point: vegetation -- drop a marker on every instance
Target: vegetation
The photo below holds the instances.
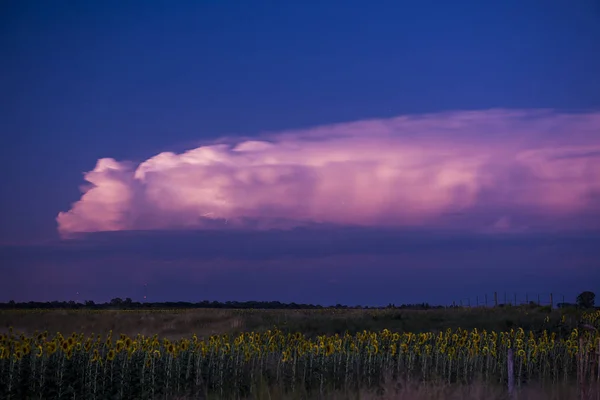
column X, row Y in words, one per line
column 586, row 299
column 124, row 367
column 178, row 323
column 128, row 304
column 392, row 352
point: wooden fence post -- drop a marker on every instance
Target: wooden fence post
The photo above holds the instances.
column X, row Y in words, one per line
column 511, row 372
column 581, row 370
column 598, row 366
column 495, row 299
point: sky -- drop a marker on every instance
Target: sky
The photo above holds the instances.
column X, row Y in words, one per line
column 341, row 152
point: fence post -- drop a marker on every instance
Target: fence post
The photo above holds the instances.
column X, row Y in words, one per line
column 551, row 301
column 598, row 366
column 496, row 299
column 511, row 372
column 581, row 370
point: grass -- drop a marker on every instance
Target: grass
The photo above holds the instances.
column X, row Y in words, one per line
column 432, row 391
column 435, row 391
column 176, row 324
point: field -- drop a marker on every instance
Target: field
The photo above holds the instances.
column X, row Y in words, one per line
column 329, row 353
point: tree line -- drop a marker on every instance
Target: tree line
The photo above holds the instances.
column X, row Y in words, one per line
column 129, row 304
column 584, row 300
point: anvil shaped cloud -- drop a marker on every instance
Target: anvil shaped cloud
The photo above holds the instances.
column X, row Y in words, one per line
column 495, row 170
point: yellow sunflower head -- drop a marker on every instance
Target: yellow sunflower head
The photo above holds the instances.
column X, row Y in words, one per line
column 170, row 348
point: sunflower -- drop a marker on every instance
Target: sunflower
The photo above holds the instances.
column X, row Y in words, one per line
column 51, row 348
column 111, row 355
column 329, row 349
column 184, row 345
column 171, row 348
column 96, row 357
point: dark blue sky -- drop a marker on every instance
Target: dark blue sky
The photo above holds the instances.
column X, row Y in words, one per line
column 80, row 81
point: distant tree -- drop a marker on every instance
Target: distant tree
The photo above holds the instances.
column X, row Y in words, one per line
column 586, row 299
column 117, row 301
column 89, row 303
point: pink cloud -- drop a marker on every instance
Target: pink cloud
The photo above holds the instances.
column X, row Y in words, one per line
column 503, row 169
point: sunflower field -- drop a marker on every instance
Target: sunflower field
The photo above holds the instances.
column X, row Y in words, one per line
column 121, row 367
